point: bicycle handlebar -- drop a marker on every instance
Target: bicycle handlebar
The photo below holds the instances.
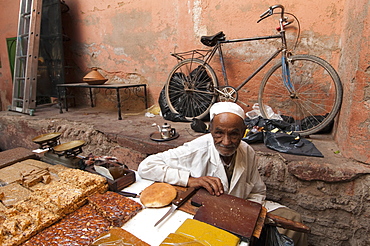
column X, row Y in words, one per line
column 270, row 12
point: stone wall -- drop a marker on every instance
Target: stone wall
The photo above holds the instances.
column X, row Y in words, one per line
column 20, row 130
column 334, row 201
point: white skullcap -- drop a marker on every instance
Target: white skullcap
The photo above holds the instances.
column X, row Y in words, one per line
column 226, row 107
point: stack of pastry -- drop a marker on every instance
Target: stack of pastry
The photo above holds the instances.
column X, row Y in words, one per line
column 116, row 208
column 48, row 193
column 77, row 228
column 87, row 223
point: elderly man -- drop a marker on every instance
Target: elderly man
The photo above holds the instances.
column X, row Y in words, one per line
column 219, row 162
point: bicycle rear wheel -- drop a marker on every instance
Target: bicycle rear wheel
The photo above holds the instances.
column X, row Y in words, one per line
column 315, row 99
column 190, row 89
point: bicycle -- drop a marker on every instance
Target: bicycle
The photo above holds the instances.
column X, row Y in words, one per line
column 304, row 90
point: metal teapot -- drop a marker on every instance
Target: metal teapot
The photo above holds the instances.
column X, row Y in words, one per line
column 166, row 131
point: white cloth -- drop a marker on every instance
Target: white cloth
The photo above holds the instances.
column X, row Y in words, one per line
column 226, row 107
column 271, row 206
column 200, row 158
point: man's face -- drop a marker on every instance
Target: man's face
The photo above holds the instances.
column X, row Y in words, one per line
column 227, row 130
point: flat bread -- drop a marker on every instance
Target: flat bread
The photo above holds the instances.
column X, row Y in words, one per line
column 158, row 195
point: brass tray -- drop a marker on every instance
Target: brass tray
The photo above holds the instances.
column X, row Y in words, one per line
column 69, row 145
column 46, row 137
column 156, row 136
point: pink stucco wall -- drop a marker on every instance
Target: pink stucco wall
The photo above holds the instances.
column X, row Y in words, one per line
column 138, row 36
column 8, row 29
column 131, row 41
column 353, row 134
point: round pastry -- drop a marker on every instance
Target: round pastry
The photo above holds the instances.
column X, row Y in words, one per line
column 158, row 195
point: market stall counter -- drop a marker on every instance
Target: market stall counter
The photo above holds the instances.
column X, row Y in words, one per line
column 46, row 204
column 143, row 224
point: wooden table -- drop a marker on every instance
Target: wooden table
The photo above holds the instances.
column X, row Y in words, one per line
column 117, row 87
column 142, row 224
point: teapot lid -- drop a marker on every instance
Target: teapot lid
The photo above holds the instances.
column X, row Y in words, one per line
column 166, row 125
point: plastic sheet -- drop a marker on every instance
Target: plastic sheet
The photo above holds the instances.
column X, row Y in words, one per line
column 253, row 137
column 174, row 239
column 273, row 133
column 290, row 144
column 306, row 123
column 117, row 237
column 166, row 112
column 271, row 237
column 256, row 112
column 199, row 126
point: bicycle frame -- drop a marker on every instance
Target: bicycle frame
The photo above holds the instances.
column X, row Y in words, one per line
column 302, row 88
column 218, row 48
column 283, row 49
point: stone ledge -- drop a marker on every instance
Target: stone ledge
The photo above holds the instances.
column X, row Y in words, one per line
column 9, row 157
column 341, row 172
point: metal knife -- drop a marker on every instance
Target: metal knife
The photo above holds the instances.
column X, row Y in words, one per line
column 178, row 202
column 128, row 194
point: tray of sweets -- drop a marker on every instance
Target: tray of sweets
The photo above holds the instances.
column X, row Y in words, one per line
column 123, row 176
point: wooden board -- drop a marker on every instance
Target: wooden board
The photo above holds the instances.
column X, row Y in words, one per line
column 233, row 214
column 9, row 157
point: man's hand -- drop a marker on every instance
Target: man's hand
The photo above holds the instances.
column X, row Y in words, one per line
column 212, row 184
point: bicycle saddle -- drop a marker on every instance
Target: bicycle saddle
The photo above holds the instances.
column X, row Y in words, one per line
column 212, row 40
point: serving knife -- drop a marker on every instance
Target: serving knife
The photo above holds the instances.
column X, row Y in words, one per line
column 128, row 194
column 183, row 197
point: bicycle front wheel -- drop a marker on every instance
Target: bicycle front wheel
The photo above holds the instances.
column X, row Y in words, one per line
column 190, row 89
column 310, row 101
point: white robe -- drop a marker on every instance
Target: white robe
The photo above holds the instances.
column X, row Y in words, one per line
column 200, row 158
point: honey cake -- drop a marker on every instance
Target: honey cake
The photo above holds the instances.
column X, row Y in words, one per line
column 9, row 175
column 81, row 179
column 177, row 239
column 36, row 163
column 115, row 207
column 78, row 228
column 19, row 225
column 24, row 173
column 117, row 234
column 207, row 234
column 43, row 165
column 57, row 168
column 2, row 207
column 37, row 186
column 48, row 203
column 89, row 182
column 62, row 195
column 14, row 193
column 35, row 177
column 40, row 214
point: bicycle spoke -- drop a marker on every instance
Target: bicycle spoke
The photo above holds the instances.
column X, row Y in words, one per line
column 190, row 89
column 315, row 99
